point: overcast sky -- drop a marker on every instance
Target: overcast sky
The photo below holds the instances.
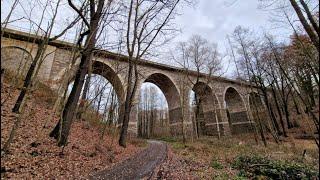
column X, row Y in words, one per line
column 215, row 19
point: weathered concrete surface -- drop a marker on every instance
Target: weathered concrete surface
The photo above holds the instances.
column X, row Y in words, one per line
column 218, row 95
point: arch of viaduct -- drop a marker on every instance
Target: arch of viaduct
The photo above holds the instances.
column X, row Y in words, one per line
column 225, row 106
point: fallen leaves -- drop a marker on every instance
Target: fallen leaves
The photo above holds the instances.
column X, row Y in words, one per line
column 34, row 155
column 177, row 167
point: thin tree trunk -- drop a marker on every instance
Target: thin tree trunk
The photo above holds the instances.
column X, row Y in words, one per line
column 127, row 108
column 314, row 38
column 28, row 79
column 287, row 115
column 84, row 95
column 279, row 111
column 71, row 104
column 271, row 113
column 39, row 56
column 310, row 17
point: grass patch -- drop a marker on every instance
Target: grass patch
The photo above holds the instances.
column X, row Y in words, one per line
column 223, row 176
column 216, row 164
column 178, row 146
column 216, row 152
column 262, row 167
column 138, row 142
column 168, row 139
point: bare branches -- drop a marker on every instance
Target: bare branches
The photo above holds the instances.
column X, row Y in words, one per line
column 145, row 21
column 66, row 29
column 79, row 11
column 314, row 38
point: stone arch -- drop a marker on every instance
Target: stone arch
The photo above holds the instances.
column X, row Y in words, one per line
column 207, row 122
column 172, row 95
column 16, row 59
column 236, row 112
column 111, row 75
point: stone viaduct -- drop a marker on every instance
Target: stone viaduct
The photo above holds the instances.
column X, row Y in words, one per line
column 225, row 103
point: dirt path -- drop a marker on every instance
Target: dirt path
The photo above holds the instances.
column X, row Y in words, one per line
column 139, row 166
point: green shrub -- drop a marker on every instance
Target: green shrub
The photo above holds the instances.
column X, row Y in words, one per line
column 256, row 166
column 178, row 146
column 239, row 177
column 216, row 164
column 223, row 176
column 169, row 139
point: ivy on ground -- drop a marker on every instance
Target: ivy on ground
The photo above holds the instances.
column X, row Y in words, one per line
column 256, row 167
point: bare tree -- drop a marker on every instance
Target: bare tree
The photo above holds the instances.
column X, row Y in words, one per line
column 39, row 58
column 146, row 21
column 199, row 55
column 34, row 69
column 7, row 19
column 308, row 28
column 96, row 11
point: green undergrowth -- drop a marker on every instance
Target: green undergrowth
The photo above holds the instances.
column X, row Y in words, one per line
column 222, row 154
column 258, row 167
column 216, row 164
column 169, row 139
column 226, row 176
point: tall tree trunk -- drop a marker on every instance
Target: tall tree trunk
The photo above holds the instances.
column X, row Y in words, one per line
column 84, row 95
column 279, row 111
column 35, row 65
column 70, row 107
column 28, row 80
column 270, row 111
column 260, row 123
column 310, row 17
column 99, row 102
column 287, row 114
column 296, row 105
column 314, row 38
column 127, row 107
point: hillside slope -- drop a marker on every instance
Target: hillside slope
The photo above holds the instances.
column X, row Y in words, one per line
column 34, row 155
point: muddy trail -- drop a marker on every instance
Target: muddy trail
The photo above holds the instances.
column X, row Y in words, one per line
column 140, row 166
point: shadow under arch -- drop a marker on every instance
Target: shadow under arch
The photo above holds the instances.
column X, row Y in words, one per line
column 207, row 114
column 236, row 112
column 111, row 75
column 172, row 96
column 16, row 59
